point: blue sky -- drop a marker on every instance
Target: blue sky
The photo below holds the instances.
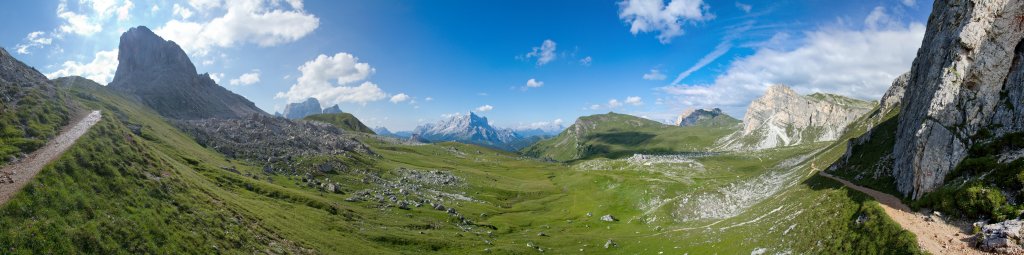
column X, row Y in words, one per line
column 403, row 63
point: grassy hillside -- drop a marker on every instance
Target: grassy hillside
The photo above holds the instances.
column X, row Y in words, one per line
column 616, row 135
column 30, row 116
column 344, row 121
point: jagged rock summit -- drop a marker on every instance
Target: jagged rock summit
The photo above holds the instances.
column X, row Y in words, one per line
column 705, row 117
column 470, row 128
column 16, row 72
column 159, row 74
column 306, row 108
column 781, row 117
column 968, row 76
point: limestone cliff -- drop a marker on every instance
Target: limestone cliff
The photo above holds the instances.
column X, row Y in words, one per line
column 967, row 77
column 781, row 117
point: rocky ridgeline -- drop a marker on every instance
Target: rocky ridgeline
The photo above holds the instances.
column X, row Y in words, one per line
column 781, row 117
column 260, row 137
column 309, row 107
column 968, row 77
column 472, row 129
column 694, row 117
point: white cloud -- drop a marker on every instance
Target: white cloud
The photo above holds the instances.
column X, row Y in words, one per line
column 745, row 7
column 100, row 70
column 217, row 77
column 124, row 12
column 205, row 5
column 614, row 103
column 595, row 106
column 328, row 79
column 297, row 4
column 879, row 19
column 247, row 78
column 183, row 12
column 76, row 23
column 428, row 99
column 909, row 2
column 155, row 9
column 634, row 100
column 553, row 125
column 533, row 83
column 654, row 75
column 856, row 63
column 719, row 50
column 654, row 15
column 400, row 97
column 36, row 39
column 245, row 21
column 545, row 53
column 586, row 61
column 484, row 108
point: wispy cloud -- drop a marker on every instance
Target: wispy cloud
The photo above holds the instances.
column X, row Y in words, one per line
column 724, row 46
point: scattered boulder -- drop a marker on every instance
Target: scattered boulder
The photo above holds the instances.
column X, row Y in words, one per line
column 610, row 244
column 608, row 218
column 1002, row 237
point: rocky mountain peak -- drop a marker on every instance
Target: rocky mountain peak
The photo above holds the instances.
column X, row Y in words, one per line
column 781, row 117
column 693, row 117
column 159, row 74
column 141, row 50
column 469, row 128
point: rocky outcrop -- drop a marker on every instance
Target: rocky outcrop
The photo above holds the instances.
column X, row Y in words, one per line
column 869, row 155
column 159, row 74
column 781, row 117
column 472, row 129
column 704, row 117
column 967, row 77
column 259, row 137
column 302, row 109
column 332, row 109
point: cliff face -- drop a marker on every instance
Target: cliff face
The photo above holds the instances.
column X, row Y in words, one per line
column 159, row 74
column 967, row 77
column 703, row 117
column 781, row 117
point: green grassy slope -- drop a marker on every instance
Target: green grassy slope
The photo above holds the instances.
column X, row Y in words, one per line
column 617, row 135
column 30, row 116
column 135, row 184
column 344, row 121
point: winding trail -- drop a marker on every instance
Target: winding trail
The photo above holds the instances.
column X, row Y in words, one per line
column 14, row 176
column 935, row 235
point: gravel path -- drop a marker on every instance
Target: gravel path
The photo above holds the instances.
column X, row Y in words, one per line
column 934, row 234
column 14, row 176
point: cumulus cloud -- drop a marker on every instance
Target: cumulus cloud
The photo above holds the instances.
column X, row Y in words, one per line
column 614, row 103
column 183, row 12
column 655, row 16
column 205, row 5
column 908, row 2
column 400, row 97
column 554, row 125
column 330, row 79
column 100, row 69
column 484, row 108
column 217, row 77
column 533, row 83
column 244, row 21
column 36, row 39
column 634, row 100
column 654, row 75
column 545, row 53
column 246, row 78
column 857, row 63
column 76, row 23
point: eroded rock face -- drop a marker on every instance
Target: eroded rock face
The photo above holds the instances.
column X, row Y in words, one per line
column 966, row 77
column 469, row 128
column 302, row 109
column 159, row 74
column 781, row 117
column 695, row 117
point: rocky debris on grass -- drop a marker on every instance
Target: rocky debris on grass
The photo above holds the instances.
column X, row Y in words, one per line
column 610, row 244
column 415, row 188
column 258, row 137
column 1003, row 237
column 608, row 218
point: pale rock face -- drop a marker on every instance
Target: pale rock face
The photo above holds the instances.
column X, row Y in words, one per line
column 966, row 77
column 302, row 109
column 692, row 117
column 781, row 117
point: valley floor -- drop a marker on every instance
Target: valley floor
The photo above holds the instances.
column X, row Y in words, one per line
column 934, row 234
